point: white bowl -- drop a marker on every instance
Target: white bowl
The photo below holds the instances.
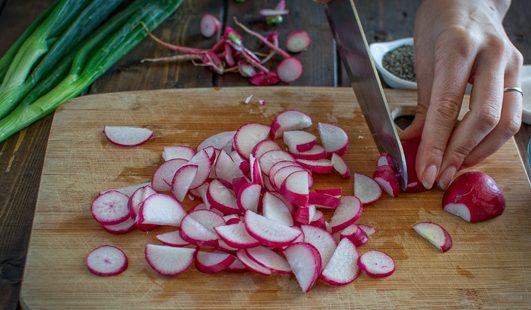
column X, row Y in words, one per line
column 378, row 50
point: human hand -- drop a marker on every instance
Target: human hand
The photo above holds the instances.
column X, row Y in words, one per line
column 458, row 42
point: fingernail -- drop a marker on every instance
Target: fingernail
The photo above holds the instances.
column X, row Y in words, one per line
column 429, row 177
column 446, row 177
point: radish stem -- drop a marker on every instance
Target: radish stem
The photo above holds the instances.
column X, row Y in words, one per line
column 177, row 48
column 261, row 38
column 173, row 58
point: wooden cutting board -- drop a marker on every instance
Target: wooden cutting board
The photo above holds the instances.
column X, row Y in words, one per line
column 488, row 266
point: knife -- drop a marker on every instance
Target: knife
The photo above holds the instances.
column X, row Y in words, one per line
column 354, row 52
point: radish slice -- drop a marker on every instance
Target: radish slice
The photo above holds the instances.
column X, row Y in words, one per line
column 251, row 264
column 172, row 238
column 238, row 160
column 212, row 154
column 237, row 266
column 239, row 183
column 264, row 146
column 236, row 236
column 268, row 259
column 204, row 163
column 223, row 246
column 354, row 234
column 135, row 203
column 340, row 166
column 256, row 171
column 120, row 228
column 281, row 164
column 110, row 208
column 435, row 234
column 201, row 193
column 248, row 136
column 299, row 141
column 323, row 166
column 386, row 177
column 368, row 229
column 316, row 153
column 163, row 176
column 271, row 12
column 295, row 188
column 269, row 232
column 275, row 209
column 318, row 220
column 106, row 260
column 286, row 202
column 289, row 120
column 127, row 136
column 305, row 262
column 289, row 70
column 348, row 211
column 334, row 138
column 226, row 169
column 322, row 240
column 324, row 200
column 209, row 25
column 213, row 262
column 128, row 190
column 198, row 227
column 179, row 151
column 342, row 268
column 264, row 79
column 221, row 141
column 335, row 191
column 160, row 209
column 167, row 260
column 278, row 178
column 366, row 189
column 385, row 160
column 222, row 198
column 231, row 219
column 376, row 264
column 249, row 197
column 298, row 41
column 304, row 214
column 268, row 159
column 182, row 180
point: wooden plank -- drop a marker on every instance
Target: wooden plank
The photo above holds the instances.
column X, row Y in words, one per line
column 487, row 267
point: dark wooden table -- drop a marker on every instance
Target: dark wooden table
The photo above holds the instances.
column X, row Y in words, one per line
column 21, row 157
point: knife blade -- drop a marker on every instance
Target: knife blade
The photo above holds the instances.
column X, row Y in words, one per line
column 354, row 53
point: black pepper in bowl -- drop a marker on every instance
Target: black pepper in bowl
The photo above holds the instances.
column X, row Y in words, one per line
column 401, row 62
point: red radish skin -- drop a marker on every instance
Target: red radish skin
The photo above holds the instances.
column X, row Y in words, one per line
column 198, row 227
column 248, row 136
column 299, row 141
column 349, row 211
column 286, row 202
column 110, row 208
column 318, row 220
column 184, row 176
column 136, row 200
column 435, row 234
column 377, row 264
column 213, row 262
column 322, row 166
column 209, row 25
column 334, row 138
column 281, row 164
column 127, row 136
column 249, row 197
column 268, row 159
column 264, row 79
column 269, row 259
column 354, row 234
column 304, row 215
column 368, row 229
column 269, row 232
column 276, row 209
column 221, row 141
column 128, row 190
column 179, row 151
column 289, row 120
column 256, row 171
column 251, row 264
column 163, row 176
column 172, row 238
column 366, row 189
column 305, row 262
column 231, row 219
column 222, row 198
column 106, row 260
column 167, row 260
column 280, row 176
column 322, row 240
column 289, row 70
column 335, row 191
column 212, row 153
column 316, row 153
column 236, row 236
column 161, row 209
column 340, row 166
column 264, row 146
column 120, row 228
column 223, row 246
column 237, row 266
column 410, row 148
column 298, row 41
column 324, row 200
column 475, row 197
column 342, row 268
column 238, row 183
column 386, row 177
column 296, row 188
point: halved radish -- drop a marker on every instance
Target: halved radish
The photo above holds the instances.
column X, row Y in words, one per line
column 323, row 200
column 354, row 234
column 385, row 160
column 110, row 208
column 223, row 246
column 182, row 180
column 298, row 41
column 248, row 136
column 304, row 214
column 322, row 240
column 128, row 190
column 231, row 219
column 299, row 141
column 281, row 164
column 317, row 152
column 386, row 177
column 323, row 166
column 256, row 171
column 222, row 198
column 366, row 189
column 318, row 220
column 288, row 204
column 334, row 191
column 269, row 259
column 340, row 166
column 120, row 228
column 204, row 163
column 239, row 183
column 334, row 138
column 179, row 151
column 212, row 262
column 268, row 186
column 368, row 229
column 172, row 238
column 209, row 25
column 221, row 141
column 342, row 268
column 305, row 262
column 251, row 264
column 236, row 236
column 136, row 200
column 275, row 209
column 435, row 234
column 269, row 232
column 226, row 169
column 377, row 264
column 168, row 260
column 264, row 146
column 249, row 197
column 127, row 136
column 198, row 227
column 201, row 193
column 289, row 70
column 163, row 176
column 289, row 120
column 106, row 260
column 268, row 159
column 348, row 211
column 212, row 154
column 238, row 160
column 296, row 188
column 280, row 176
column 160, row 209
column 237, row 266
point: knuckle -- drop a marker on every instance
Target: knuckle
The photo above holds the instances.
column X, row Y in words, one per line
column 461, row 151
column 459, row 39
column 497, row 47
column 512, row 126
column 517, row 59
column 488, row 118
column 448, row 106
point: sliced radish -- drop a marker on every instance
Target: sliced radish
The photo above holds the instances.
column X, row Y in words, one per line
column 222, row 198
column 248, row 136
column 275, row 209
column 281, row 164
column 286, row 202
column 212, row 154
column 223, row 246
column 335, row 191
column 342, row 268
column 106, row 260
column 251, row 264
column 120, row 228
column 348, row 211
column 256, row 171
column 334, row 138
column 268, row 159
column 305, row 262
column 299, row 141
column 226, row 169
column 160, row 209
column 386, row 177
column 269, row 232
column 318, row 220
column 298, row 41
column 237, row 266
column 368, row 229
column 236, row 236
column 238, row 160
column 322, row 240
column 316, row 153
column 213, row 262
column 289, row 70
column 366, row 189
column 182, row 180
column 272, row 12
column 354, row 234
column 249, row 197
column 172, row 238
column 323, row 166
column 127, row 136
column 136, row 200
column 179, row 151
column 385, row 160
column 340, row 166
column 168, row 260
column 198, row 227
column 268, row 259
column 221, row 141
column 209, row 25
column 264, row 79
column 295, row 188
column 377, row 264
column 201, row 193
column 264, row 146
column 239, row 183
column 280, row 176
column 231, row 219
column 204, row 163
column 435, row 234
column 324, row 200
column 304, row 215
column 289, row 120
column 410, row 148
column 163, row 176
column 110, row 208
column 268, row 186
column 128, row 190
column 281, row 5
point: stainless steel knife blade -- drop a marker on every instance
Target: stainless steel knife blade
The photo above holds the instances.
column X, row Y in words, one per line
column 354, row 52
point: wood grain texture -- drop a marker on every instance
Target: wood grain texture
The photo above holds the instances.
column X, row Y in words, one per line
column 488, row 267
